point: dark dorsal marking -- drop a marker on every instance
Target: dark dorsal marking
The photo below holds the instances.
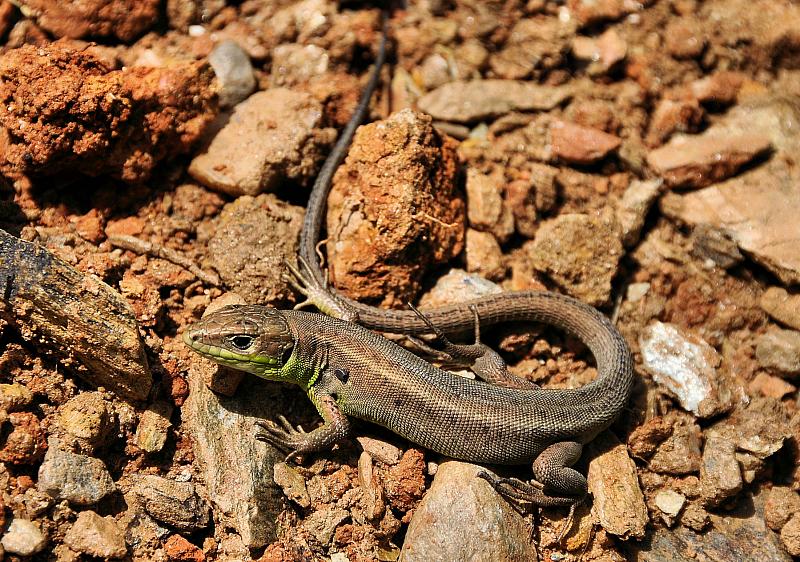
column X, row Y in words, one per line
column 342, row 374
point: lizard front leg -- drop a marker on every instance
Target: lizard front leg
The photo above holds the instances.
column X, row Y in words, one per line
column 296, row 442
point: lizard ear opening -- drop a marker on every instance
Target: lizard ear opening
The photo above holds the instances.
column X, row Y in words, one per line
column 287, row 354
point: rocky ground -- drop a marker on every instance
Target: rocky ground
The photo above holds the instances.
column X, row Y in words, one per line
column 640, row 156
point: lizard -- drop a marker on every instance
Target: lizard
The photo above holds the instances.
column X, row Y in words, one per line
column 347, row 370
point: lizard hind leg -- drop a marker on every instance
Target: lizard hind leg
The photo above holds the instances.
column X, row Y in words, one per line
column 485, row 362
column 556, row 483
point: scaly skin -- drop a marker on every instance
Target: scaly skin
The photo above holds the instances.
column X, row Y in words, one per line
column 350, row 371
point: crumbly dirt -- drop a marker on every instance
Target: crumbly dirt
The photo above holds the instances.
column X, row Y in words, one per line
column 103, row 108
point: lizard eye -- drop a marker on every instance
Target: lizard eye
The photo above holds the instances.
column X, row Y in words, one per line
column 241, row 342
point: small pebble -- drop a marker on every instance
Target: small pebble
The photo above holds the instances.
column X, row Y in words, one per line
column 96, row 536
column 234, row 72
column 23, row 538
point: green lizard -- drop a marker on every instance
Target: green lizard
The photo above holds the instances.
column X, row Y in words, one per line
column 349, row 371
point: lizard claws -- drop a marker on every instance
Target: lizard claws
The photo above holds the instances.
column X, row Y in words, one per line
column 281, row 435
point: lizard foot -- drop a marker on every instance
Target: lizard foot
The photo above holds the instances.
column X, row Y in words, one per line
column 515, row 490
column 283, row 436
column 316, row 293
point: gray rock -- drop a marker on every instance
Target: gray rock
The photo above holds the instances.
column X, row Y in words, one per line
column 716, row 246
column 462, row 518
column 293, row 63
column 618, row 499
column 272, row 136
column 457, row 286
column 253, row 237
column 234, row 72
column 685, row 365
column 292, row 483
column 740, row 535
column 720, row 475
column 23, row 537
column 323, row 522
column 96, row 536
column 236, row 468
column 634, row 206
column 580, row 254
column 79, row 479
column 779, row 351
column 474, row 100
column 176, row 504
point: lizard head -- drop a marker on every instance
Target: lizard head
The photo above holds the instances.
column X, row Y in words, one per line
column 250, row 338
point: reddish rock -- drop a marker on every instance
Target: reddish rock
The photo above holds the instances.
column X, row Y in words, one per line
column 128, row 226
column 680, row 452
column 645, row 439
column 96, row 536
column 790, row 535
column 179, row 549
column 90, row 227
column 771, row 386
column 7, row 13
column 782, row 502
column 26, row 442
column 697, row 161
column 684, row 38
column 618, row 501
column 719, row 88
column 385, row 234
column 757, row 209
column 601, row 54
column 521, row 199
column 674, row 116
column 121, row 19
column 64, row 109
column 581, row 145
column 404, row 482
